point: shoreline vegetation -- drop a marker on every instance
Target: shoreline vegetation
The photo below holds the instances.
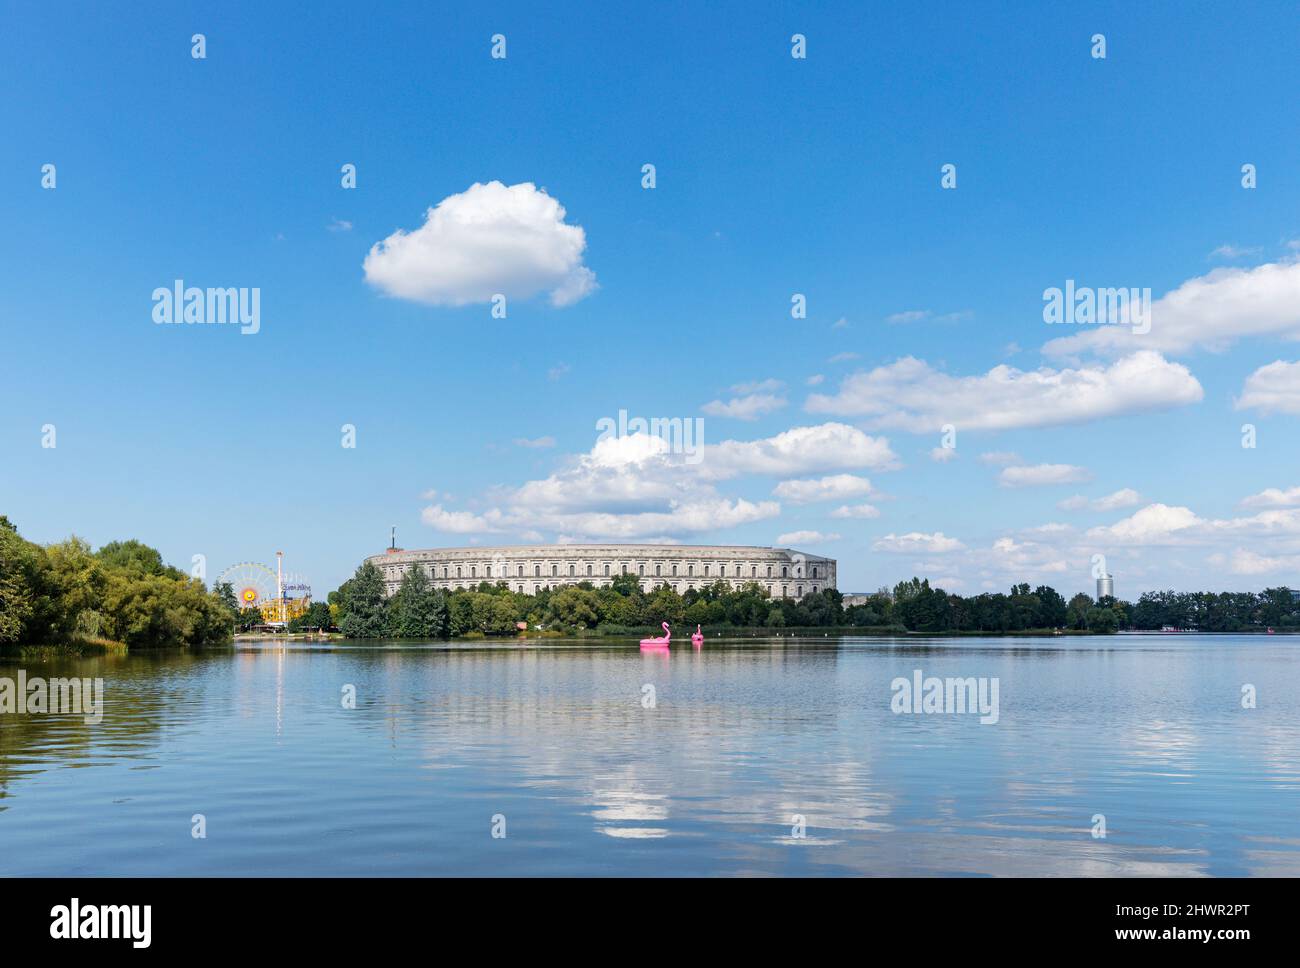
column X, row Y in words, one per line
column 122, row 597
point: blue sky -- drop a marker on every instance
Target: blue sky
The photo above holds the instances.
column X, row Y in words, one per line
column 774, row 176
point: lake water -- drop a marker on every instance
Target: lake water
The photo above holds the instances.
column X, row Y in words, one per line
column 554, row 743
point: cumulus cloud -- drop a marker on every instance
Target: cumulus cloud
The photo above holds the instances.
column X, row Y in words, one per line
column 941, row 455
column 486, row 240
column 800, row 450
column 1037, row 475
column 749, row 407
column 911, row 395
column 1160, row 524
column 1000, row 457
column 1154, row 524
column 1123, row 498
column 805, row 537
column 536, row 442
column 636, row 487
column 917, row 542
column 1273, row 497
column 1208, row 312
column 1274, row 388
column 836, row 487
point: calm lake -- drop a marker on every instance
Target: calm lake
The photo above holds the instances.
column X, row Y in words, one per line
column 553, row 745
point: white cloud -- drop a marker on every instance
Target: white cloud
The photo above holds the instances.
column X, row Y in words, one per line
column 836, row 487
column 559, row 371
column 636, row 487
column 909, row 394
column 1037, row 475
column 1123, row 498
column 917, row 542
column 805, row 537
column 842, row 357
column 942, row 455
column 339, row 225
column 488, row 239
column 800, row 450
column 815, row 380
column 536, row 442
column 1208, row 312
column 1274, row 388
column 856, row 511
column 1000, row 457
column 749, row 407
column 1154, row 524
column 1273, row 497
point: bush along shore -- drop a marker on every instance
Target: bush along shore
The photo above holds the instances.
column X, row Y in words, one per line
column 66, row 596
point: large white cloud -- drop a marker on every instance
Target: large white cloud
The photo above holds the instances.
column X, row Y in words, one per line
column 911, row 395
column 486, row 240
column 1161, row 524
column 638, row 486
column 1274, row 388
column 800, row 450
column 1208, row 312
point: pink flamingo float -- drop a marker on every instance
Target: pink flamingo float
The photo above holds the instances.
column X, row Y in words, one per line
column 697, row 639
column 658, row 643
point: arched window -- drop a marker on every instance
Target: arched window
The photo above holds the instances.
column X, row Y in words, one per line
column 753, row 571
column 674, row 573
column 571, row 571
column 769, row 571
column 798, row 591
column 473, row 571
column 537, row 573
column 690, row 570
column 658, row 570
column 589, row 569
column 814, row 571
column 458, row 571
column 521, row 588
column 607, row 571
column 785, row 572
column 555, row 571
column 444, row 571
column 640, row 570
column 785, row 591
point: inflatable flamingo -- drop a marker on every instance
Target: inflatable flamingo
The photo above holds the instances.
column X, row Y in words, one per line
column 658, row 642
column 697, row 639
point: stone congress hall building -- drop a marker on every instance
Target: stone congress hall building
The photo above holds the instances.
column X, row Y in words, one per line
column 529, row 568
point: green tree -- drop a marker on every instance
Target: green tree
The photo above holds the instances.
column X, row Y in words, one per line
column 366, row 616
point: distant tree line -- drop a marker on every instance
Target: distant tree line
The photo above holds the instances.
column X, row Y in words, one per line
column 418, row 610
column 65, row 592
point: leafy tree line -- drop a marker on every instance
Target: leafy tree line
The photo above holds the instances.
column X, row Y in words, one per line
column 123, row 592
column 418, row 610
column 919, row 608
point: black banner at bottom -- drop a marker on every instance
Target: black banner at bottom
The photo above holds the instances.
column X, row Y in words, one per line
column 230, row 916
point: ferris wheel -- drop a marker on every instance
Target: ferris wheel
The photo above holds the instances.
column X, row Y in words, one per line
column 254, row 583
